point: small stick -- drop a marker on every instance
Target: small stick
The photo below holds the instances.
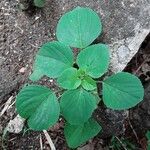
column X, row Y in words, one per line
column 34, row 46
column 51, row 144
column 137, row 70
column 12, row 139
column 133, row 130
column 6, row 105
column 11, row 105
column 41, row 145
column 121, row 143
column 22, row 31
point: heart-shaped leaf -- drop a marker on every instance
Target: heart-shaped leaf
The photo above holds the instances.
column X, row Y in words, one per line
column 79, row 27
column 77, row 106
column 79, row 134
column 51, row 60
column 69, row 79
column 122, row 91
column 39, row 106
column 94, row 60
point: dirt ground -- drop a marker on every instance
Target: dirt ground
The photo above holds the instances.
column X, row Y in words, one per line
column 21, row 34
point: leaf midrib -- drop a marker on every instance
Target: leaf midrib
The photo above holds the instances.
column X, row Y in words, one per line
column 61, row 62
column 40, row 102
column 55, row 58
column 121, row 90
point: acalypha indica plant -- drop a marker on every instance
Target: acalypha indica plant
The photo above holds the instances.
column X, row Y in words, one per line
column 41, row 107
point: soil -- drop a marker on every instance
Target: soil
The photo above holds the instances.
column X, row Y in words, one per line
column 22, row 32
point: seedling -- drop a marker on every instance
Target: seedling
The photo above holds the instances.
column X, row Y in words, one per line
column 28, row 4
column 39, row 3
column 122, row 143
column 148, row 140
column 40, row 106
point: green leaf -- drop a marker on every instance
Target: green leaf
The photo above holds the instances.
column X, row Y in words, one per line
column 69, row 79
column 122, row 91
column 88, row 83
column 39, row 106
column 77, row 106
column 94, row 60
column 79, row 134
column 39, row 3
column 51, row 60
column 148, row 135
column 148, row 140
column 79, row 27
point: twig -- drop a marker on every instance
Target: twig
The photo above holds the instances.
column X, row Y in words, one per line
column 37, row 18
column 133, row 130
column 41, row 145
column 34, row 46
column 137, row 70
column 11, row 105
column 22, row 31
column 6, row 105
column 12, row 139
column 51, row 144
column 121, row 143
column 56, row 140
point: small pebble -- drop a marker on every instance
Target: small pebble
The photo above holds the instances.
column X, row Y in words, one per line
column 51, row 80
column 22, row 70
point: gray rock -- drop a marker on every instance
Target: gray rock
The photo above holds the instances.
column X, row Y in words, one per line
column 126, row 24
column 15, row 125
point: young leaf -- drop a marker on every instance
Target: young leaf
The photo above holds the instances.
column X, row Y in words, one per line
column 79, row 27
column 77, row 106
column 39, row 3
column 51, row 60
column 39, row 105
column 148, row 135
column 79, row 134
column 69, row 79
column 148, row 140
column 94, row 60
column 88, row 83
column 122, row 91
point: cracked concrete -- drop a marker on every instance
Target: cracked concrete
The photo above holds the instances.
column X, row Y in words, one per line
column 126, row 25
column 123, row 50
